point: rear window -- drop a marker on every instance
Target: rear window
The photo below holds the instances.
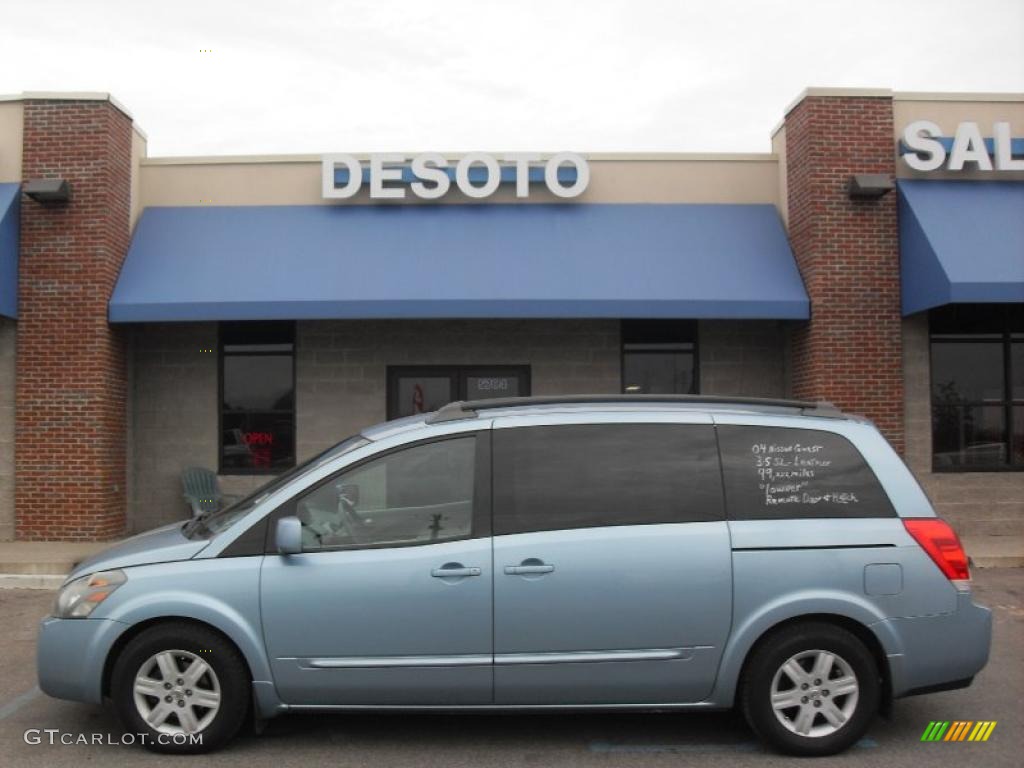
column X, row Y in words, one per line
column 773, row 473
column 588, row 475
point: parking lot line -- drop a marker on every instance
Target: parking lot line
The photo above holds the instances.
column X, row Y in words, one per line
column 18, row 702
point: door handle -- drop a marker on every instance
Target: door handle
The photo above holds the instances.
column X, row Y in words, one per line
column 453, row 571
column 529, row 566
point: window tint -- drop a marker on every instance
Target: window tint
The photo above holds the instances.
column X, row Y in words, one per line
column 775, row 472
column 587, row 475
column 418, row 495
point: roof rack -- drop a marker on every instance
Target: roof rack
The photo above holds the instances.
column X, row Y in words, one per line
column 469, row 409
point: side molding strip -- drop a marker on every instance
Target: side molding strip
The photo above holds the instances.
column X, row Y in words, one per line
column 648, row 654
column 467, row 660
column 351, row 662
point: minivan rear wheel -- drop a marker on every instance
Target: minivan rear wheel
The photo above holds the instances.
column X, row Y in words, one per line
column 810, row 689
column 182, row 686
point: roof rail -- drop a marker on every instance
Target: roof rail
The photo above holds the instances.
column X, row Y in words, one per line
column 469, row 409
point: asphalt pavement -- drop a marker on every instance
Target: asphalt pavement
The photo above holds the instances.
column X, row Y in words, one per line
column 523, row 741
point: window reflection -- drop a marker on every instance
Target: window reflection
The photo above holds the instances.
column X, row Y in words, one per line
column 977, row 386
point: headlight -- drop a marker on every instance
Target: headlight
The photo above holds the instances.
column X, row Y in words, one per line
column 78, row 599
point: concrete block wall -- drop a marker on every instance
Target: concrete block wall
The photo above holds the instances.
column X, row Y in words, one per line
column 341, row 373
column 340, row 387
column 341, row 364
column 7, row 384
column 975, row 503
column 743, row 357
column 173, row 416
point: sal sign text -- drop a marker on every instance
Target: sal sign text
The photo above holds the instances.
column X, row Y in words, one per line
column 430, row 175
column 926, row 151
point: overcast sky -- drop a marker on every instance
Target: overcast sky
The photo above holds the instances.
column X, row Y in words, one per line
column 258, row 77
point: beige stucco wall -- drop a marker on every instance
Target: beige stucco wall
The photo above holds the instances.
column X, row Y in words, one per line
column 975, row 503
column 138, row 154
column 11, row 127
column 779, row 150
column 622, row 179
column 947, row 111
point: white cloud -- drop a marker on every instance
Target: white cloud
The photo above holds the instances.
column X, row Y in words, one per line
column 626, row 75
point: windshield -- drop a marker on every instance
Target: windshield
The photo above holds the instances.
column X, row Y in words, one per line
column 211, row 523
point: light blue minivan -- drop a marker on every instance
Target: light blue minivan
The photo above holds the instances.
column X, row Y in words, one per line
column 606, row 552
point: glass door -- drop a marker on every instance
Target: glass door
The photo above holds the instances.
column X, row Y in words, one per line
column 419, row 388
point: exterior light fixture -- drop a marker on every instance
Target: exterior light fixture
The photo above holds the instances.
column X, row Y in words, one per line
column 48, row 190
column 869, row 186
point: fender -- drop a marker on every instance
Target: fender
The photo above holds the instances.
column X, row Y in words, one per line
column 793, row 605
column 220, row 592
column 172, row 604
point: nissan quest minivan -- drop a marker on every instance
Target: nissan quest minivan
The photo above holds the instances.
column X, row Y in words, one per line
column 573, row 553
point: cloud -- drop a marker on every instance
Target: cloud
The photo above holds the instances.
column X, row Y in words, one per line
column 602, row 75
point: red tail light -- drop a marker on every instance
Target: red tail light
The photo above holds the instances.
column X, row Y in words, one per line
column 940, row 541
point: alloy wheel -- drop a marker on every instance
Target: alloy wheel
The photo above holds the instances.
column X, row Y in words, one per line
column 814, row 693
column 177, row 692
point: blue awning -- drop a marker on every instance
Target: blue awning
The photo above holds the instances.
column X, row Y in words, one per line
column 9, row 197
column 428, row 261
column 961, row 242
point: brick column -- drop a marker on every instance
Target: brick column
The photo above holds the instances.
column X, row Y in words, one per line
column 848, row 253
column 70, row 398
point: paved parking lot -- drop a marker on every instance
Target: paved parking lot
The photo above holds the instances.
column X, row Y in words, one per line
column 539, row 740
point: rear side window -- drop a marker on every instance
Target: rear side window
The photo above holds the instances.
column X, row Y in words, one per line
column 589, row 475
column 774, row 472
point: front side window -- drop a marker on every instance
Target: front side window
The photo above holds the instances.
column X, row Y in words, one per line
column 418, row 495
column 977, row 387
column 257, row 405
column 774, row 473
column 589, row 475
column 659, row 357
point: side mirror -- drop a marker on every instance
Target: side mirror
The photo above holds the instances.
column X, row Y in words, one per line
column 288, row 536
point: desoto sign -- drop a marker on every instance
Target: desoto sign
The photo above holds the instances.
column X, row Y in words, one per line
column 927, row 149
column 430, row 175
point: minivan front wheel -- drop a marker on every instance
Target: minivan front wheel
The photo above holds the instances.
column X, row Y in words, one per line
column 811, row 689
column 182, row 687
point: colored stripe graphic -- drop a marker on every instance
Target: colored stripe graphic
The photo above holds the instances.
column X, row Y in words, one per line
column 982, row 730
column 958, row 730
column 935, row 730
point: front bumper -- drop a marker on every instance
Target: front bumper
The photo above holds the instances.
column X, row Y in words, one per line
column 941, row 651
column 70, row 655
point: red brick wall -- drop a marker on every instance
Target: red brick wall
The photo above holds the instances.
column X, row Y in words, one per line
column 848, row 253
column 70, row 399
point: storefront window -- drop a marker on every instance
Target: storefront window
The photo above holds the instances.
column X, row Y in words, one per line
column 977, row 365
column 257, row 405
column 419, row 389
column 659, row 357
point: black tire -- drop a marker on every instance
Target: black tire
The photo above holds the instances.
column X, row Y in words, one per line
column 231, row 675
column 768, row 658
